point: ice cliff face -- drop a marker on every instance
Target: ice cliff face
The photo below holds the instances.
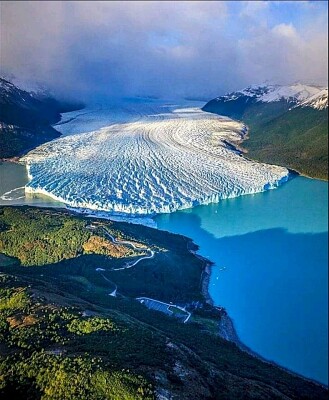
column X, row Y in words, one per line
column 143, row 158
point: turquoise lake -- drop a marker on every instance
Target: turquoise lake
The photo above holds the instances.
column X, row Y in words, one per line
column 271, row 269
column 271, row 255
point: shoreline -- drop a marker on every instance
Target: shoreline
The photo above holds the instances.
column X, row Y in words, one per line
column 226, row 329
column 206, row 272
column 238, row 147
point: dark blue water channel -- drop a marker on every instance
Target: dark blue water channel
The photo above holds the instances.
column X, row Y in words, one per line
column 271, row 271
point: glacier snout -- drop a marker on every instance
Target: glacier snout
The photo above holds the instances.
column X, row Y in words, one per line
column 153, row 159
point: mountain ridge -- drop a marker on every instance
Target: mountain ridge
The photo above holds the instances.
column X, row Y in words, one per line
column 26, row 118
column 287, row 125
column 297, row 93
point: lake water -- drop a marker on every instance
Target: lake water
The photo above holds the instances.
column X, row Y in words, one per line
column 13, row 177
column 271, row 256
column 271, row 273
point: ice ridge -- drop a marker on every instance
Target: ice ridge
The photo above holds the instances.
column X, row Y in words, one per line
column 146, row 158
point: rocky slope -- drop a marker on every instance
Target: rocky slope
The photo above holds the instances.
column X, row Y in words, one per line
column 26, row 118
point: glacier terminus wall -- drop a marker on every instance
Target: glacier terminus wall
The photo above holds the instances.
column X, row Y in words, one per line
column 146, row 157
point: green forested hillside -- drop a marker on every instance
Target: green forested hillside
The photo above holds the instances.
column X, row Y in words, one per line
column 63, row 337
column 296, row 138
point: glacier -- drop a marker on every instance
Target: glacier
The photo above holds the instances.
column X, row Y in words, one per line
column 140, row 157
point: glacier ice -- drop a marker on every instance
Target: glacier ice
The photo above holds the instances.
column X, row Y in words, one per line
column 144, row 157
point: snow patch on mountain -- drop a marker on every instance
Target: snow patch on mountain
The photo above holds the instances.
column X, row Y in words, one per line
column 34, row 88
column 145, row 158
column 295, row 92
column 298, row 94
column 318, row 101
column 7, row 89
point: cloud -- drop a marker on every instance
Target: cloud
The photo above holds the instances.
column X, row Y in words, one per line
column 251, row 9
column 285, row 31
column 282, row 55
column 168, row 49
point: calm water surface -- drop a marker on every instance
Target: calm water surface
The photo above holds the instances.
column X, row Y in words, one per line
column 271, row 256
column 13, row 178
column 271, row 273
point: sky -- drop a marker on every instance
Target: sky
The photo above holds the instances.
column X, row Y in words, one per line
column 173, row 49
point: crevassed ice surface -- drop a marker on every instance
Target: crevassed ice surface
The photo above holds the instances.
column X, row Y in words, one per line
column 146, row 157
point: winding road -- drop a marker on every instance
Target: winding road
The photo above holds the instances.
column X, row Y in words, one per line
column 127, row 265
column 129, row 244
column 132, row 264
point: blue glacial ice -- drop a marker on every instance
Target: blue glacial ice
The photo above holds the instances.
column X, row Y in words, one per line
column 139, row 158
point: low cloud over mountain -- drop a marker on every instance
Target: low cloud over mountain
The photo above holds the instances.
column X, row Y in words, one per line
column 168, row 49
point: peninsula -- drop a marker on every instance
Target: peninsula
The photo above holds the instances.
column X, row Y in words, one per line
column 84, row 301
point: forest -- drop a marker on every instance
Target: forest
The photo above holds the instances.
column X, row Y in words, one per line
column 63, row 337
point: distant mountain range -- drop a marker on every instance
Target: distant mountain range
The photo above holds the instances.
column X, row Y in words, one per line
column 288, row 125
column 26, row 118
column 293, row 96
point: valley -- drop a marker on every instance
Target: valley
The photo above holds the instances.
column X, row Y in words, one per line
column 164, row 200
column 162, row 157
column 159, row 154
column 26, row 118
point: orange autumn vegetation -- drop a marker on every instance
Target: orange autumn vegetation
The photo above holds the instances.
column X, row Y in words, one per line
column 99, row 245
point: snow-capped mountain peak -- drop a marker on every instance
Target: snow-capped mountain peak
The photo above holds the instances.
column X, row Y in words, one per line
column 318, row 101
column 298, row 94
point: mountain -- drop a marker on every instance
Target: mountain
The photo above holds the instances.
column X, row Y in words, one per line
column 318, row 101
column 287, row 124
column 26, row 118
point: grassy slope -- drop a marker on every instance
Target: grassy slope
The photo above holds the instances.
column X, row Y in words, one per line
column 49, row 350
column 296, row 138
